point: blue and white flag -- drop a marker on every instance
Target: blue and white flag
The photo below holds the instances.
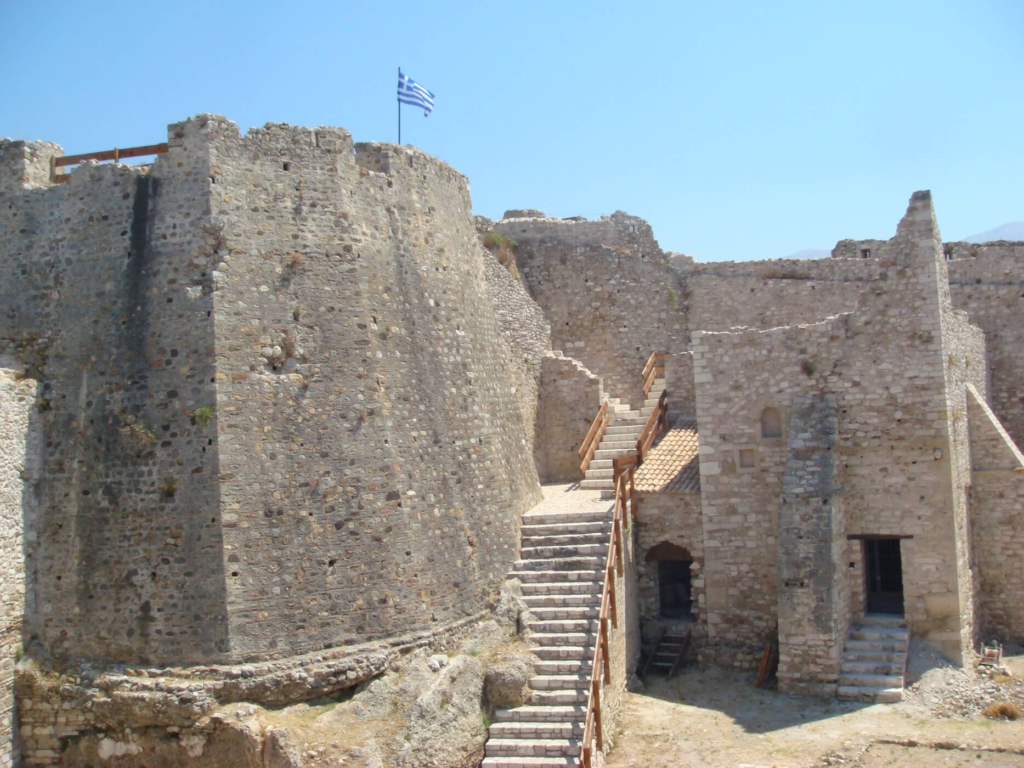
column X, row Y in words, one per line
column 411, row 92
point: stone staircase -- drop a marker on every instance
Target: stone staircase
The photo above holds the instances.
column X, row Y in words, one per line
column 875, row 659
column 562, row 572
column 624, row 427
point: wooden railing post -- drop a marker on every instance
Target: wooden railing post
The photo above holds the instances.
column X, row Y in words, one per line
column 595, row 696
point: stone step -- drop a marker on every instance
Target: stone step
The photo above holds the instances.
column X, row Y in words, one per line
column 617, row 453
column 597, row 485
column 860, row 667
column 561, row 626
column 560, row 652
column 553, row 576
column 874, row 657
column 562, row 601
column 563, row 667
column 882, row 620
column 870, row 681
column 558, row 529
column 534, row 589
column 530, row 762
column 600, row 474
column 560, row 682
column 567, row 551
column 879, row 633
column 559, row 564
column 600, row 464
column 566, row 539
column 532, row 747
column 560, row 698
column 886, row 646
column 571, row 613
column 879, row 695
column 614, row 445
column 628, row 430
column 632, row 421
column 565, row 518
column 515, row 729
column 534, row 714
column 580, row 639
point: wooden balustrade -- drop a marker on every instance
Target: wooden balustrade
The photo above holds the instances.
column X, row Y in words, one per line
column 656, row 422
column 593, row 730
column 594, row 437
column 655, row 367
column 108, row 154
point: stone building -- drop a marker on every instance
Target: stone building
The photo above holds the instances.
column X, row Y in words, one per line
column 272, row 415
column 843, row 497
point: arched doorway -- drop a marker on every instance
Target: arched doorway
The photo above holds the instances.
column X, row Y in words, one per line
column 674, row 585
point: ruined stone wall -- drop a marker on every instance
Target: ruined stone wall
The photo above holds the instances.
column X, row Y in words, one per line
column 997, row 522
column 886, row 363
column 610, row 306
column 768, row 294
column 277, row 415
column 105, row 296
column 570, row 397
column 525, row 330
column 814, row 610
column 675, row 518
column 17, row 476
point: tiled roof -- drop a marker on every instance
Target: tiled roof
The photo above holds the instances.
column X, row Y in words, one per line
column 671, row 465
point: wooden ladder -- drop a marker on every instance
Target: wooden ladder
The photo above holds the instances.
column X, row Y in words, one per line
column 668, row 653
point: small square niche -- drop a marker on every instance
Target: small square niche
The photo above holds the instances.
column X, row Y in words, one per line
column 746, row 459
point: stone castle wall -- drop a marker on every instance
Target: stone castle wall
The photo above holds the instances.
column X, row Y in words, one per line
column 526, row 331
column 106, row 298
column 18, row 475
column 885, row 364
column 609, row 296
column 277, row 416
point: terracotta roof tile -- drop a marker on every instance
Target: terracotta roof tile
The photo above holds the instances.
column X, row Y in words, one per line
column 671, row 465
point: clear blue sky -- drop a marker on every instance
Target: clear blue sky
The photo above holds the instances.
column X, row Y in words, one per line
column 738, row 129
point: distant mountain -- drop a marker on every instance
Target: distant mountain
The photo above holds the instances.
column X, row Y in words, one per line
column 1012, row 231
column 810, row 253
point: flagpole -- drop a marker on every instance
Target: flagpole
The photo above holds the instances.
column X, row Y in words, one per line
column 399, row 111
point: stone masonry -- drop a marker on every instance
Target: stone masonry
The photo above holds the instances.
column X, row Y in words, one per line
column 272, row 414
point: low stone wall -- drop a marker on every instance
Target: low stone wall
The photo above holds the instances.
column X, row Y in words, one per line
column 60, row 703
column 568, row 400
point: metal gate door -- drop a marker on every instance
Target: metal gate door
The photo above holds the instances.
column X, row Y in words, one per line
column 884, row 576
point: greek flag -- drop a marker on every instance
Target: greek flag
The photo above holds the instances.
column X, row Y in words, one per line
column 411, row 92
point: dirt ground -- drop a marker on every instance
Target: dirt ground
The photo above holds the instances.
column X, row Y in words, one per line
column 717, row 718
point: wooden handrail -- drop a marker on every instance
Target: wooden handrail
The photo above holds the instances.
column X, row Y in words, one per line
column 656, row 357
column 659, row 417
column 593, row 729
column 594, row 437
column 108, row 154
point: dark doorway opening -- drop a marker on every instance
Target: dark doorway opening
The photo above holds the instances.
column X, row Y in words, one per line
column 674, row 588
column 884, row 573
column 673, row 579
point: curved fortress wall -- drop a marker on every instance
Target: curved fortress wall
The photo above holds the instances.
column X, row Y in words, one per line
column 378, row 460
column 271, row 395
